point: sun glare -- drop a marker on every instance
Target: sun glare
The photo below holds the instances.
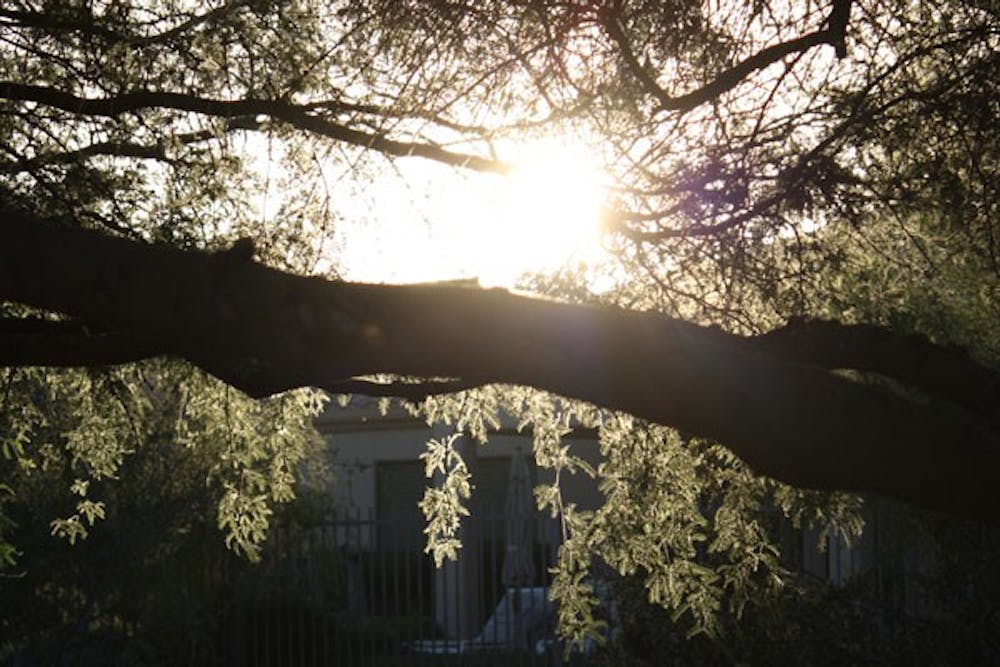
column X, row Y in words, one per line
column 429, row 223
column 548, row 215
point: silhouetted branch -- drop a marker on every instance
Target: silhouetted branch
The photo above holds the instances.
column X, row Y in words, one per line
column 155, row 151
column 84, row 23
column 295, row 115
column 411, row 391
column 34, row 342
column 945, row 372
column 774, row 403
column 832, row 34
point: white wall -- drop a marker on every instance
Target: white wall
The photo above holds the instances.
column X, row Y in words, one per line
column 362, row 438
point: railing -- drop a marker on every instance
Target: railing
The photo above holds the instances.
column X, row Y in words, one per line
column 356, row 591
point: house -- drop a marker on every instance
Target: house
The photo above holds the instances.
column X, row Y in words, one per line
column 380, row 480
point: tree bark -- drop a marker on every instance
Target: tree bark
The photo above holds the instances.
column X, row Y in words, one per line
column 771, row 400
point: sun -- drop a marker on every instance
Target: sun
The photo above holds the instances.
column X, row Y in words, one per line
column 425, row 222
column 547, row 213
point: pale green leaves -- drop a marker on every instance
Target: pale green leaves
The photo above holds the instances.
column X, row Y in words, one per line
column 572, row 588
column 247, row 453
column 442, row 504
column 262, row 446
column 87, row 513
column 683, row 515
column 474, row 412
column 8, row 553
column 244, row 519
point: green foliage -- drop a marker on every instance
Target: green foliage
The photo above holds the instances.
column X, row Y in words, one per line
column 862, row 190
column 156, row 494
column 246, row 452
column 685, row 517
column 442, row 504
column 809, row 622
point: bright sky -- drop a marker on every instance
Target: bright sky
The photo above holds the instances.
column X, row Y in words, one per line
column 425, row 222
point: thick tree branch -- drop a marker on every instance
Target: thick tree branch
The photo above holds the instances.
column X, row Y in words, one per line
column 836, row 25
column 83, row 22
column 280, row 110
column 412, row 391
column 152, row 151
column 944, row 372
column 266, row 331
column 45, row 343
column 832, row 33
column 102, row 148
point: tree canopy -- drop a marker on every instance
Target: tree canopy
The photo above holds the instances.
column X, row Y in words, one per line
column 802, row 217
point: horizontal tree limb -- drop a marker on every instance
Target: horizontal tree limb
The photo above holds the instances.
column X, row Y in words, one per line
column 60, row 346
column 833, row 33
column 411, row 391
column 85, row 23
column 281, row 110
column 264, row 331
column 945, row 372
column 130, row 149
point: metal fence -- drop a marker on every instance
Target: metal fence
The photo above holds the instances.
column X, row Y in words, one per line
column 353, row 590
column 346, row 592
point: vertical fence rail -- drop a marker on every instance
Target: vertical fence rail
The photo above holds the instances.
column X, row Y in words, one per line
column 352, row 592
